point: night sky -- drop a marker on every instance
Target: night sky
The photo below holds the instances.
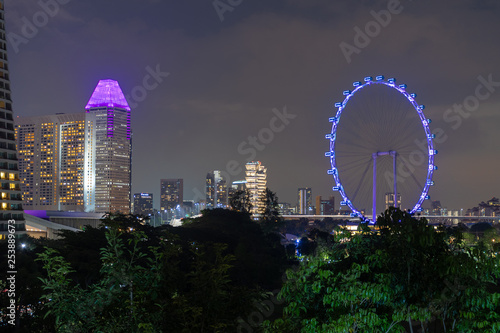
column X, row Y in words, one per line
column 227, row 76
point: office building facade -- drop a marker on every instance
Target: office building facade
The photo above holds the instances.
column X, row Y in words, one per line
column 143, row 204
column 216, row 190
column 78, row 162
column 113, row 152
column 389, row 200
column 304, row 201
column 325, row 206
column 171, row 194
column 10, row 191
column 57, row 161
column 256, row 183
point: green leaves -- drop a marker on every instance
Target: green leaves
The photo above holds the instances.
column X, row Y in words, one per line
column 380, row 280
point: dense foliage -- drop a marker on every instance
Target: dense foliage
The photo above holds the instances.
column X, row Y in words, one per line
column 128, row 277
column 405, row 275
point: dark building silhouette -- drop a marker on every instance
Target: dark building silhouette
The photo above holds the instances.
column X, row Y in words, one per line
column 171, row 194
column 143, row 204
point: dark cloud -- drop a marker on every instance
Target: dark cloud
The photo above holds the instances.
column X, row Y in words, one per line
column 226, row 78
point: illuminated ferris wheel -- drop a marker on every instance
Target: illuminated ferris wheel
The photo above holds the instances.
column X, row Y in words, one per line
column 381, row 149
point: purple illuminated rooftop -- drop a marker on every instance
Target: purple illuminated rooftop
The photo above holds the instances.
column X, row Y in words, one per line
column 108, row 94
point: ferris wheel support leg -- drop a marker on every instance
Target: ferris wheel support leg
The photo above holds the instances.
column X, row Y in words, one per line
column 394, row 155
column 374, row 211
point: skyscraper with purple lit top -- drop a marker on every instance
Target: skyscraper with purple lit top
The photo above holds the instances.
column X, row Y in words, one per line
column 113, row 147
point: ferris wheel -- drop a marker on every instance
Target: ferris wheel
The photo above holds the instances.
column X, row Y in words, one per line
column 381, row 149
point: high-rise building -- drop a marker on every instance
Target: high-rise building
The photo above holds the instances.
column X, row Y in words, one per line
column 113, row 147
column 389, row 200
column 325, row 207
column 210, row 190
column 57, row 161
column 78, row 162
column 304, row 201
column 239, row 185
column 436, row 208
column 286, row 209
column 10, row 191
column 171, row 194
column 256, row 178
column 216, row 190
column 143, row 204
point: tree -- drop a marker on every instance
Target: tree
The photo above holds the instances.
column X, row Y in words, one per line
column 197, row 278
column 124, row 298
column 404, row 275
column 271, row 220
column 240, row 201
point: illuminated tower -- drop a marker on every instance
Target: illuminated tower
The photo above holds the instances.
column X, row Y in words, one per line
column 210, row 190
column 10, row 191
column 216, row 190
column 256, row 178
column 304, row 200
column 113, row 147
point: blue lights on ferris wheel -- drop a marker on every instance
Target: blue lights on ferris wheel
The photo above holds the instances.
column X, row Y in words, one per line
column 401, row 88
column 332, row 171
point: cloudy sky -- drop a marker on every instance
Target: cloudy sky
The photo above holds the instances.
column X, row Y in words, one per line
column 234, row 69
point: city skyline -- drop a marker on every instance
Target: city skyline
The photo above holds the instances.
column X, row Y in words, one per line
column 261, row 84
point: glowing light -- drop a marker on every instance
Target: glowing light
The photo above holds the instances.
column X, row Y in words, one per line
column 108, row 94
column 391, row 82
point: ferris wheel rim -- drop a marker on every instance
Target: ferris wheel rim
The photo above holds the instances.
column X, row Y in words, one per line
column 332, row 137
